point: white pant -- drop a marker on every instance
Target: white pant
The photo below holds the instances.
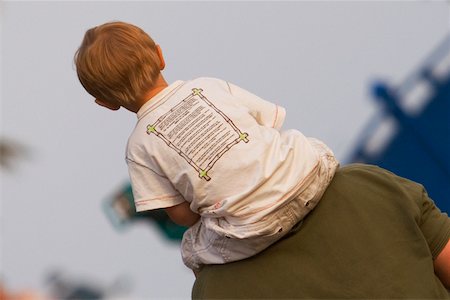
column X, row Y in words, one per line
column 206, row 242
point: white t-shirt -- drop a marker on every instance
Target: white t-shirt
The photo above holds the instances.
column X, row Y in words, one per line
column 218, row 147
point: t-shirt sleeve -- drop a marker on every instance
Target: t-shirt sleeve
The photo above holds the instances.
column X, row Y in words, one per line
column 434, row 224
column 266, row 113
column 151, row 190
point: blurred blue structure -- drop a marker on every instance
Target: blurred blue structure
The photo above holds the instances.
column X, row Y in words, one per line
column 411, row 134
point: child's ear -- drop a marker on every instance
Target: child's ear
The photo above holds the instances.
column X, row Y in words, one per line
column 162, row 63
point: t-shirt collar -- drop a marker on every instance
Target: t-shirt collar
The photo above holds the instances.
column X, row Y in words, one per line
column 161, row 96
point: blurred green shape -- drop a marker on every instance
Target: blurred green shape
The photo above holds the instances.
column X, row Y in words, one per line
column 120, row 209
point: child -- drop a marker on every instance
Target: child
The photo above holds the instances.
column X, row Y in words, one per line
column 208, row 152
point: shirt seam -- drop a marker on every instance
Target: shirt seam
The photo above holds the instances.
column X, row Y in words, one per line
column 162, row 198
column 438, row 243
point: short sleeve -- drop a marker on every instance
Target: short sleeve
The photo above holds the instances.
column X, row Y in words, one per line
column 151, row 190
column 434, row 224
column 266, row 113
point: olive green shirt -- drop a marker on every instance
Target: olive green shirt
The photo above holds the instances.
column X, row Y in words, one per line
column 373, row 235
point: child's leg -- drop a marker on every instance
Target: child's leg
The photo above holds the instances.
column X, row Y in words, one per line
column 201, row 245
column 204, row 245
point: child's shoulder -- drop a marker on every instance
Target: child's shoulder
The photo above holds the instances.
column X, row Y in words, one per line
column 209, row 82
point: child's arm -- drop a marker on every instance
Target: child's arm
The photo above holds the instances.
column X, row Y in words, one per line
column 182, row 215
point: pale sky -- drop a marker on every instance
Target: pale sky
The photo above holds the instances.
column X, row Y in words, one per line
column 317, row 59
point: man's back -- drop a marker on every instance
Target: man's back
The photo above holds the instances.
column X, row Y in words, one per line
column 373, row 235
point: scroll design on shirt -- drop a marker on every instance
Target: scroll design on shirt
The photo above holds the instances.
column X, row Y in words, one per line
column 198, row 131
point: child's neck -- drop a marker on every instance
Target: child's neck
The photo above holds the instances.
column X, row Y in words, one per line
column 158, row 87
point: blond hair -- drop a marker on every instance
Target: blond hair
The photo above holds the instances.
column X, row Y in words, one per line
column 117, row 62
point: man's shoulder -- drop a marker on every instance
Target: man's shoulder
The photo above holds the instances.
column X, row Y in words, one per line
column 361, row 168
column 372, row 188
column 374, row 175
column 365, row 226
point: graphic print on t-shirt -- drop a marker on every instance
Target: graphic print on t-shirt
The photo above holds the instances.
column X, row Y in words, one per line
column 198, row 131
